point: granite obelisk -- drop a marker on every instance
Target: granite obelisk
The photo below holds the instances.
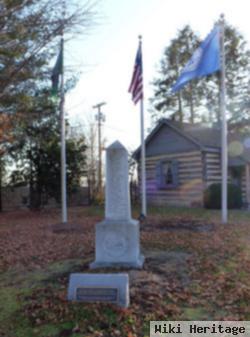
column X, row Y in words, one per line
column 117, row 236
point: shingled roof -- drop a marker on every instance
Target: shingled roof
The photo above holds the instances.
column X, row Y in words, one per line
column 205, row 137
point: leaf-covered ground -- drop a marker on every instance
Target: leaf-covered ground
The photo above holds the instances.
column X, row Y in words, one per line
column 195, row 269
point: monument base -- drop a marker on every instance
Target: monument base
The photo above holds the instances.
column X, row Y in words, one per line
column 135, row 265
column 117, row 245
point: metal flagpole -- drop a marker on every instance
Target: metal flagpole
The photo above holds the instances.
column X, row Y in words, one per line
column 63, row 145
column 143, row 173
column 224, row 154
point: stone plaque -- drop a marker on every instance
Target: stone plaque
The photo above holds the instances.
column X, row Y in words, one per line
column 96, row 294
column 105, row 288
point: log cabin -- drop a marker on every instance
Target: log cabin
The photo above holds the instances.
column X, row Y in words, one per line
column 183, row 159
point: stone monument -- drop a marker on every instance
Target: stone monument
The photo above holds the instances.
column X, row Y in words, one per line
column 117, row 236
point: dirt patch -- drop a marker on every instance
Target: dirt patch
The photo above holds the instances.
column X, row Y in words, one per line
column 170, row 265
column 189, row 225
column 67, row 228
column 161, row 269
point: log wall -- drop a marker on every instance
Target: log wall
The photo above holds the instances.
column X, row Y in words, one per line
column 190, row 176
column 196, row 171
column 212, row 168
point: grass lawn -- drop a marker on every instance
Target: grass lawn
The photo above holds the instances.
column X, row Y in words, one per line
column 195, row 269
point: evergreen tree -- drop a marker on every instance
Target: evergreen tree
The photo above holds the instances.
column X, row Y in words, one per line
column 182, row 105
column 237, row 75
column 199, row 99
column 37, row 154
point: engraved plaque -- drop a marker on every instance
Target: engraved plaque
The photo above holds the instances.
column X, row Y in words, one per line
column 96, row 294
column 105, row 288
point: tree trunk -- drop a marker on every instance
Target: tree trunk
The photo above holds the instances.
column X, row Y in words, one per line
column 35, row 198
column 191, row 105
column 1, row 173
column 180, row 111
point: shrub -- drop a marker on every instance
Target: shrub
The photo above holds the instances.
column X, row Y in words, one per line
column 212, row 196
column 98, row 199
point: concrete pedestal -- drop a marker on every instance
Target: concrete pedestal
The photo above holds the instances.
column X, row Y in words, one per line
column 117, row 244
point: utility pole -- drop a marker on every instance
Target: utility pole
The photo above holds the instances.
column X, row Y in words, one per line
column 100, row 117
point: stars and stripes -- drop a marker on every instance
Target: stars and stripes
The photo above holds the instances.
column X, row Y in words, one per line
column 136, row 85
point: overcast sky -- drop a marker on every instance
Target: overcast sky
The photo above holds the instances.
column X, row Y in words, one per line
column 106, row 56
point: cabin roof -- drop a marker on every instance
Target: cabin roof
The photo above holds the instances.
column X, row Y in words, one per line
column 207, row 139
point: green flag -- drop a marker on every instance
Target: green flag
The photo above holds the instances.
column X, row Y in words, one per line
column 57, row 71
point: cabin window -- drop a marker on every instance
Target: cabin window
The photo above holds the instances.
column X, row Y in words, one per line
column 167, row 174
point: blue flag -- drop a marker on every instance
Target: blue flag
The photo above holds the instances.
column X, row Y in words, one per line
column 205, row 60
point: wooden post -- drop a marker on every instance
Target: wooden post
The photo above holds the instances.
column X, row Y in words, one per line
column 100, row 118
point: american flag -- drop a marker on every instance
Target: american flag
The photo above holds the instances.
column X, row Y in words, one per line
column 136, row 85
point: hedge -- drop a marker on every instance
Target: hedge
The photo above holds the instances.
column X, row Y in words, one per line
column 212, row 196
